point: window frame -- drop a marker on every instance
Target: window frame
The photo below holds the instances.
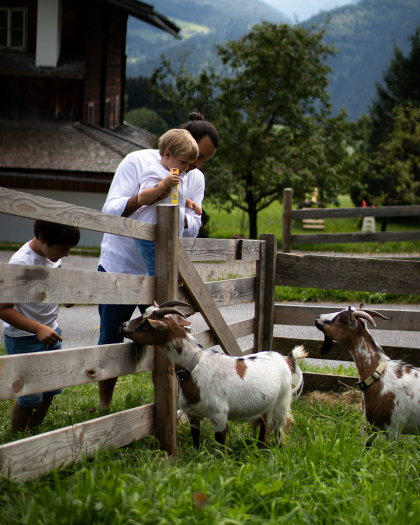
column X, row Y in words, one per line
column 9, row 46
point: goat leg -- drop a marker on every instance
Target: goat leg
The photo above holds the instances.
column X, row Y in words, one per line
column 220, row 435
column 264, row 431
column 195, row 431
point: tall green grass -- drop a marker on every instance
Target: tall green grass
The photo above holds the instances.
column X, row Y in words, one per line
column 322, row 474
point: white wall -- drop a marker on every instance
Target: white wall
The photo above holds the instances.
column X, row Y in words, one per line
column 18, row 229
column 48, row 33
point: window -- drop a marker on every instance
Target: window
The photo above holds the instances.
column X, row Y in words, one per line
column 91, row 113
column 12, row 28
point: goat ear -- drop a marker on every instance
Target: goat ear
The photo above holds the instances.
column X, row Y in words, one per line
column 158, row 325
column 352, row 319
column 182, row 322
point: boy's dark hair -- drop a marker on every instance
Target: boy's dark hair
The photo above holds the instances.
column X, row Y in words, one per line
column 53, row 233
column 199, row 127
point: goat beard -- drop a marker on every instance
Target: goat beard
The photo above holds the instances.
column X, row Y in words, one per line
column 326, row 347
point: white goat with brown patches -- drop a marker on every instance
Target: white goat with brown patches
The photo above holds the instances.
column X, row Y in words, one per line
column 214, row 385
column 391, row 389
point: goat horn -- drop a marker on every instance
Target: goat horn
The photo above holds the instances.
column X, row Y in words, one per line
column 165, row 311
column 362, row 314
column 376, row 314
column 172, row 303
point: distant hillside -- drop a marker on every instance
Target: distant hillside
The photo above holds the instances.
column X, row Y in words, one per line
column 202, row 21
column 365, row 33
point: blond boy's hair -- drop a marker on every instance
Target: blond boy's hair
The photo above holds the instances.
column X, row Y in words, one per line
column 179, row 142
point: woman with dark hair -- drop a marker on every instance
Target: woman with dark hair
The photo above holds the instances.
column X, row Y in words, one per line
column 119, row 254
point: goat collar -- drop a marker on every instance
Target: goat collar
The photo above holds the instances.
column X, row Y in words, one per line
column 363, row 385
column 184, row 373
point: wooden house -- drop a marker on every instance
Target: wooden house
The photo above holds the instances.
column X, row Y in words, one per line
column 62, row 77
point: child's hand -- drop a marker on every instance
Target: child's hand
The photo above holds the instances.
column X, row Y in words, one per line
column 171, row 180
column 47, row 335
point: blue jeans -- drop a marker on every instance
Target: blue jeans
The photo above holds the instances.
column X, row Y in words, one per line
column 112, row 317
column 29, row 345
column 147, row 251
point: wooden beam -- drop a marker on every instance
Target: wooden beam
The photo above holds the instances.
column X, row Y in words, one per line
column 260, row 288
column 270, row 289
column 348, row 273
column 35, row 207
column 239, row 329
column 340, row 352
column 303, row 315
column 29, row 458
column 36, row 284
column 340, row 213
column 167, row 245
column 327, row 382
column 21, row 375
column 220, row 249
column 332, row 238
column 205, row 304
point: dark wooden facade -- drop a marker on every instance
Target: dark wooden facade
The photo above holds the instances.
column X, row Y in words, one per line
column 90, row 72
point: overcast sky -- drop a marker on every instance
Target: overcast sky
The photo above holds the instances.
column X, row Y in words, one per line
column 304, row 9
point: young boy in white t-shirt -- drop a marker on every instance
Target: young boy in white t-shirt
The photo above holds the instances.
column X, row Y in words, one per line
column 32, row 327
column 177, row 149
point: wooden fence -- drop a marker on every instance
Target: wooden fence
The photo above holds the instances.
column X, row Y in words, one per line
column 339, row 213
column 26, row 374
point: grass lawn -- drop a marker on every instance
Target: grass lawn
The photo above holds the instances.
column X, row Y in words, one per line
column 322, row 474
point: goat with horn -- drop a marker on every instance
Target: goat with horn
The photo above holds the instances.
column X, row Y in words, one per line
column 390, row 388
column 217, row 386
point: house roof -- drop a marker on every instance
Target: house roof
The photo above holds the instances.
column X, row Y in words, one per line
column 31, row 147
column 148, row 14
column 23, row 64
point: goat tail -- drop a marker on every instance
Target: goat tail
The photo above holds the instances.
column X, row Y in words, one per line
column 298, row 352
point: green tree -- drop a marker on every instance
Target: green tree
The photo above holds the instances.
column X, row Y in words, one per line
column 147, row 119
column 273, row 114
column 401, row 87
column 392, row 173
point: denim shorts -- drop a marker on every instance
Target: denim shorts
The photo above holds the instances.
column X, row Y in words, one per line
column 28, row 345
column 147, row 251
column 112, row 317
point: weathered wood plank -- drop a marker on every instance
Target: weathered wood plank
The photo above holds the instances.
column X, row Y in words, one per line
column 269, row 293
column 239, row 329
column 224, row 293
column 205, row 304
column 36, row 455
column 35, row 207
column 340, row 352
column 348, row 273
column 327, row 382
column 35, row 284
column 302, row 315
column 259, row 300
column 209, row 249
column 167, row 247
column 327, row 238
column 249, row 250
column 21, row 375
column 338, row 213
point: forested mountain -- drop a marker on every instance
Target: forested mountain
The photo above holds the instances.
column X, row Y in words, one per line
column 365, row 34
column 202, row 21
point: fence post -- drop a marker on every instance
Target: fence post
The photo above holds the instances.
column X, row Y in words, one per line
column 166, row 289
column 269, row 288
column 287, row 220
column 260, row 290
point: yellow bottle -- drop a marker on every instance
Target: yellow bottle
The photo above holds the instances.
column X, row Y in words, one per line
column 174, row 189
